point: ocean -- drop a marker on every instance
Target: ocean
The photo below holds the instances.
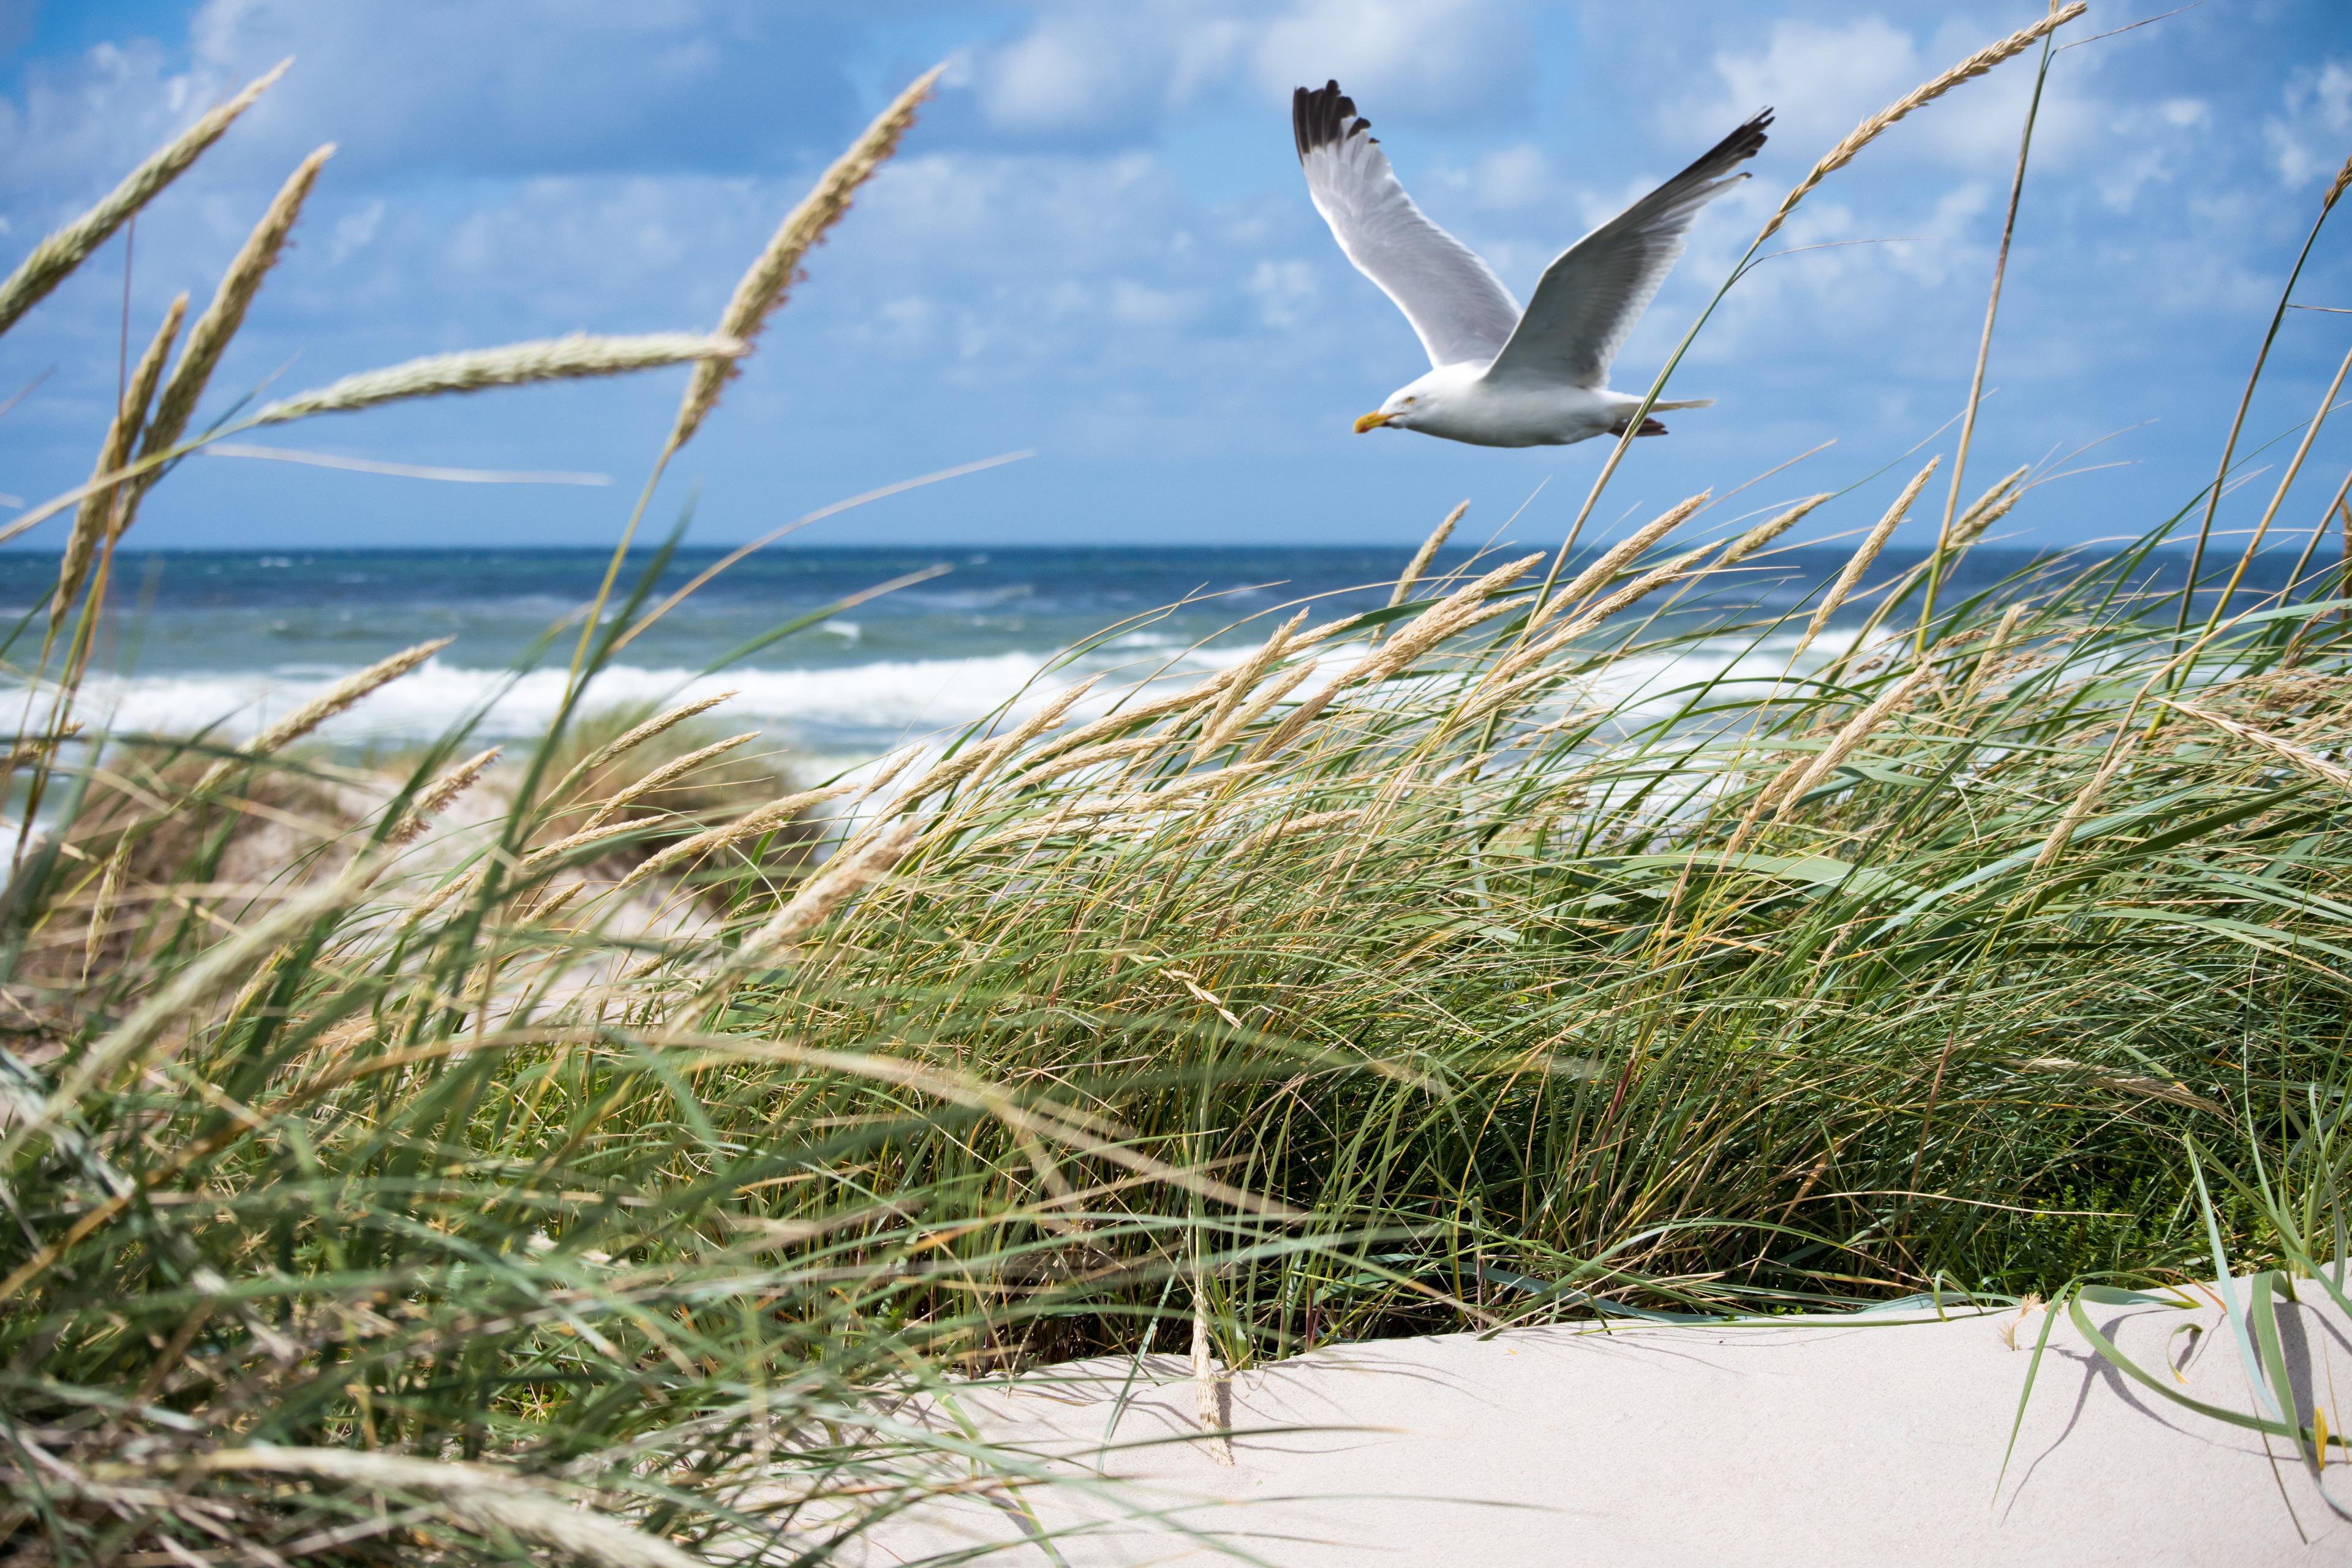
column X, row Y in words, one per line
column 229, row 639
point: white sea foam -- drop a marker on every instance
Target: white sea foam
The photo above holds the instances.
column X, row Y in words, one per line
column 851, row 711
column 876, row 703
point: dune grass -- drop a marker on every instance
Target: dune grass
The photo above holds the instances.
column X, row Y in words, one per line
column 1527, row 948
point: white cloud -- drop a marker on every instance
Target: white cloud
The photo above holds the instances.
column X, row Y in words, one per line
column 1283, row 290
column 1075, row 75
column 1824, row 78
column 354, row 232
column 1089, row 67
column 1416, row 57
column 1134, row 304
column 1820, row 78
column 1515, row 177
column 2307, row 140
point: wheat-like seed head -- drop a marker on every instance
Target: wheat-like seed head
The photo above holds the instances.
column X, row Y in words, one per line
column 2279, row 746
column 1764, row 533
column 1087, row 734
column 1988, row 509
column 1246, row 676
column 495, row 1502
column 983, row 758
column 1866, row 553
column 2336, row 187
column 884, row 776
column 752, row 824
column 1869, row 129
column 436, row 795
column 949, row 771
column 1803, row 776
column 2079, row 808
column 547, row 855
column 664, row 776
column 1458, row 611
column 840, row 880
column 762, row 288
column 1045, row 719
column 1425, row 555
column 1288, row 682
column 209, row 338
column 1988, row 660
column 343, row 694
column 1449, row 617
column 325, row 706
column 1291, row 728
column 1624, row 552
column 66, row 249
column 1062, row 762
column 91, row 520
column 171, row 1006
column 1641, row 588
column 622, row 745
column 571, row 358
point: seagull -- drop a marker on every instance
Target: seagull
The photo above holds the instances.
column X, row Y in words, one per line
column 1499, row 377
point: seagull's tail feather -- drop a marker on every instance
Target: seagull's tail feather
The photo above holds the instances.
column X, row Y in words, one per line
column 1686, row 403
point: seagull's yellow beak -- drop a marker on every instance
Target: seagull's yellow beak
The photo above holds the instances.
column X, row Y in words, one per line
column 1372, row 422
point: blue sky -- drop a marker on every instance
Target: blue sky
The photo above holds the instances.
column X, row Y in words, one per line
column 1097, row 245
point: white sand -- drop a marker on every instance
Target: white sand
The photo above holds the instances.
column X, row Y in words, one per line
column 1810, row 1443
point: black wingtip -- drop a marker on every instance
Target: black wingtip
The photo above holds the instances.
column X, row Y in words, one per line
column 1749, row 139
column 1323, row 117
column 1718, row 160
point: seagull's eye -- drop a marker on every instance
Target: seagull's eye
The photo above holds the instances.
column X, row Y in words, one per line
column 1410, row 401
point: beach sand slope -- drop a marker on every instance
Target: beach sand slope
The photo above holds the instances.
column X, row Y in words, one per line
column 1813, row 1442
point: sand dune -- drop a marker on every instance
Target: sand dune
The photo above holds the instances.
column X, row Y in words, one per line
column 1860, row 1440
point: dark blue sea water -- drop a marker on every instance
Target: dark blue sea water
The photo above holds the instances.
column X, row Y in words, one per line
column 204, row 637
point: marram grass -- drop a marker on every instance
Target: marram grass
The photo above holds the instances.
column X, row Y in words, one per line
column 433, row 1197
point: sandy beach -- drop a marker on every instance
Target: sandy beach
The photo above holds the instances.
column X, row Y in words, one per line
column 1810, row 1442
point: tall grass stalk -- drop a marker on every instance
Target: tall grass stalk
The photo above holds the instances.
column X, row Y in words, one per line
column 758, row 294
column 2246, row 399
column 1943, row 535
column 2278, row 496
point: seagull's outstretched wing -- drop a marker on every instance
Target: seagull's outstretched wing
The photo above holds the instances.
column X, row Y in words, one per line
column 1598, row 287
column 1454, row 302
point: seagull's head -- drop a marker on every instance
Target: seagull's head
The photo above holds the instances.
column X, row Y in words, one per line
column 1404, row 406
column 1419, row 404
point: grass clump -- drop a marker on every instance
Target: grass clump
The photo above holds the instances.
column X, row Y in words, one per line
column 663, row 778
column 1528, row 946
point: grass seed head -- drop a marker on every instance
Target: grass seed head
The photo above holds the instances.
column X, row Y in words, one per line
column 100, row 506
column 776, row 816
column 762, row 288
column 436, row 797
column 1765, row 532
column 60, row 252
column 1624, row 552
column 325, row 706
column 1987, row 510
column 637, row 735
column 573, row 358
column 1425, row 555
column 209, row 338
column 1920, row 97
column 841, row 879
column 1864, row 553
